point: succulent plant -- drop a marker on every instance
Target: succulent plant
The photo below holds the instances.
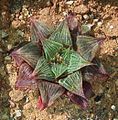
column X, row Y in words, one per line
column 59, row 62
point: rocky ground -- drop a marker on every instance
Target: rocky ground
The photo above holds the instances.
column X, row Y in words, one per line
column 102, row 15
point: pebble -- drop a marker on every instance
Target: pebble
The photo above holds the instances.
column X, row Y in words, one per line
column 16, row 23
column 69, row 2
column 9, row 46
column 111, row 27
column 86, row 17
column 99, row 24
column 27, row 100
column 113, row 107
column 64, row 13
column 81, row 9
column 16, row 95
column 20, row 17
column 18, row 113
column 95, row 20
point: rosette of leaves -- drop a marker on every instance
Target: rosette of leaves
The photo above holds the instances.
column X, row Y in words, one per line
column 50, row 63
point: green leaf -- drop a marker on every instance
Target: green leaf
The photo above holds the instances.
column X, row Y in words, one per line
column 29, row 53
column 73, row 83
column 77, row 62
column 66, row 53
column 43, row 70
column 59, row 69
column 51, row 48
column 87, row 47
column 62, row 34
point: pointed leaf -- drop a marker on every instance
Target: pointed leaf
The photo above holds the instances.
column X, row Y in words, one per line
column 87, row 88
column 72, row 22
column 87, row 46
column 43, row 70
column 59, row 69
column 77, row 62
column 66, row 55
column 95, row 72
column 62, row 34
column 73, row 83
column 51, row 48
column 49, row 92
column 82, row 102
column 29, row 53
column 23, row 80
column 39, row 31
column 17, row 59
column 74, row 27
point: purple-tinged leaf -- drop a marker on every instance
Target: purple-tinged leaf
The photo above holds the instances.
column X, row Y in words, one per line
column 39, row 31
column 73, row 83
column 18, row 60
column 23, row 80
column 29, row 53
column 49, row 92
column 95, row 72
column 87, row 88
column 82, row 102
column 88, row 46
column 74, row 27
column 72, row 22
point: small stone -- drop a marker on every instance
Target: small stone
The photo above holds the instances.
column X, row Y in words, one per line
column 18, row 113
column 27, row 100
column 15, row 23
column 64, row 13
column 9, row 46
column 69, row 2
column 20, row 17
column 86, row 17
column 81, row 9
column 111, row 27
column 99, row 24
column 113, row 107
column 16, row 95
column 95, row 20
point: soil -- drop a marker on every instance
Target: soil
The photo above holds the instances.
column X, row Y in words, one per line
column 14, row 29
